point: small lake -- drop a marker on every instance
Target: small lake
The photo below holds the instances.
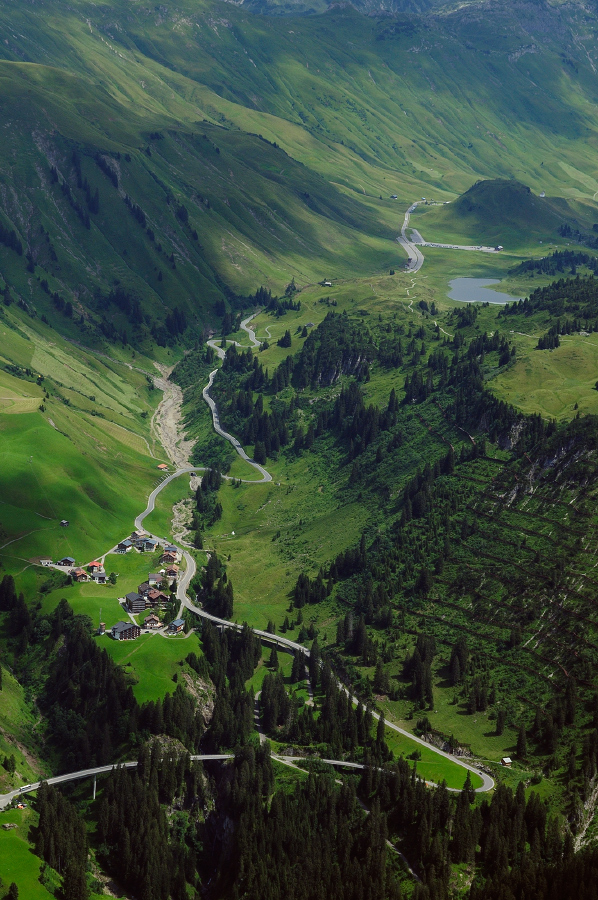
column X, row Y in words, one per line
column 477, row 290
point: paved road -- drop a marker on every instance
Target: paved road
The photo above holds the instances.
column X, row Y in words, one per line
column 285, row 643
column 229, row 437
column 295, row 761
column 185, row 579
column 479, row 247
column 5, row 799
column 416, row 257
column 411, row 247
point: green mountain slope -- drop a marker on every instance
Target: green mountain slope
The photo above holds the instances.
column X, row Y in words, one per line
column 171, row 218
column 501, row 211
column 358, row 108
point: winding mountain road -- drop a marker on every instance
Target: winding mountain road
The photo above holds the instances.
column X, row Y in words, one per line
column 416, row 257
column 411, row 245
column 186, row 577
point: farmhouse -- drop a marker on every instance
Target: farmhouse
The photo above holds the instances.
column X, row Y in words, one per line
column 168, row 557
column 154, row 578
column 177, row 626
column 137, row 535
column 95, row 567
column 125, row 631
column 147, row 544
column 135, row 602
column 172, row 571
column 79, row 574
column 99, row 577
column 66, row 561
column 152, row 621
column 124, row 546
column 154, row 597
column 143, row 588
column 45, row 561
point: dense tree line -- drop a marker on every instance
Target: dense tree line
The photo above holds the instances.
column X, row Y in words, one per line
column 312, row 842
column 135, row 211
column 92, row 197
column 556, row 263
column 91, row 709
column 137, row 843
column 107, row 169
column 572, row 297
column 81, row 212
column 208, row 509
column 336, row 347
column 8, row 237
column 346, row 730
column 551, row 339
column 231, row 657
column 214, row 590
column 61, row 841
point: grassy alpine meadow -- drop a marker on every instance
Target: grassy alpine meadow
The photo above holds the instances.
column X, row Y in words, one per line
column 19, row 736
column 281, row 529
column 556, row 383
column 151, row 661
column 18, row 863
column 80, row 454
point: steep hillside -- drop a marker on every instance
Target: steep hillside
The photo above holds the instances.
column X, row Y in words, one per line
column 117, row 223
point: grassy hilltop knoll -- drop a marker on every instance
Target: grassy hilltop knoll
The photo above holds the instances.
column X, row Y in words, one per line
column 503, row 211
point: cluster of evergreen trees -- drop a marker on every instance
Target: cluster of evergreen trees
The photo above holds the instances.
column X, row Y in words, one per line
column 92, row 197
column 556, row 263
column 568, row 297
column 214, row 590
column 335, row 725
column 108, row 170
column 91, row 709
column 136, row 211
column 312, row 842
column 232, row 657
column 208, row 508
column 551, row 339
column 61, row 841
column 137, row 842
column 8, row 237
column 336, row 347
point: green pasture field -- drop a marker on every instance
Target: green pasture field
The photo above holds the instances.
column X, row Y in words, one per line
column 18, row 735
column 555, row 383
column 280, row 531
column 151, row 660
column 18, row 862
column 67, row 461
